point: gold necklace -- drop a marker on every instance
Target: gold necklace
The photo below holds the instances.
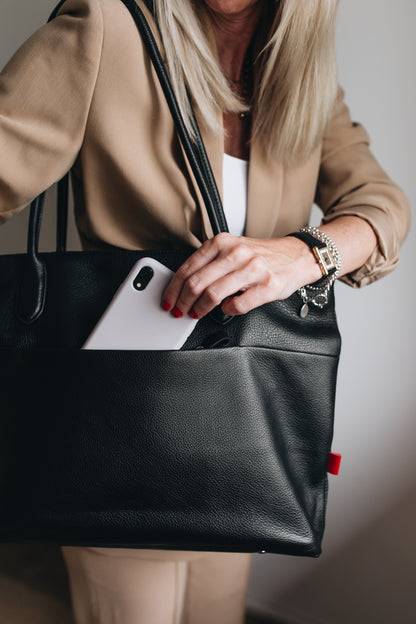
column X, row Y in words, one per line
column 245, row 85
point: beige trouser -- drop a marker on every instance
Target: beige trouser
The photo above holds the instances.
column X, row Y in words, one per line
column 143, row 586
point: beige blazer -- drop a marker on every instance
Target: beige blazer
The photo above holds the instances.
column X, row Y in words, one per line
column 81, row 93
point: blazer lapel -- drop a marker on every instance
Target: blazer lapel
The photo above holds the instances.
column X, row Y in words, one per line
column 265, row 186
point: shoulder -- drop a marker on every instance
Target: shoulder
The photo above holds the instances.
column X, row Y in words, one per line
column 88, row 26
column 101, row 10
column 70, row 42
column 110, row 19
column 82, row 10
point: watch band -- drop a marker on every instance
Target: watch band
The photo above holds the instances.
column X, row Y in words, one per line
column 320, row 250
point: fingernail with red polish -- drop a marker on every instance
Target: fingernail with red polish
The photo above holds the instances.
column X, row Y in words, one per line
column 166, row 306
column 193, row 314
column 176, row 312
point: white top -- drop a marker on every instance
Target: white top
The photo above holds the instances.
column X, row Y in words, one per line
column 235, row 176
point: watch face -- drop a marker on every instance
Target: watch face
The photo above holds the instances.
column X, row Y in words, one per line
column 327, row 258
column 324, row 258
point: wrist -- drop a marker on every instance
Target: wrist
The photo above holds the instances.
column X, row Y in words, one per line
column 308, row 268
column 324, row 250
column 329, row 261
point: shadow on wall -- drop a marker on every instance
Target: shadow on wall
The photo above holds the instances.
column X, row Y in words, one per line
column 371, row 579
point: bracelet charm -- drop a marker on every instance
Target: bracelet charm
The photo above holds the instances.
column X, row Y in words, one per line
column 329, row 260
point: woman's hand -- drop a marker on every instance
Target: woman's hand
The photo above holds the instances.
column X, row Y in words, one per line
column 264, row 269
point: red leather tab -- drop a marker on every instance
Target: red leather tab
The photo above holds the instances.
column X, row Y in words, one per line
column 334, row 463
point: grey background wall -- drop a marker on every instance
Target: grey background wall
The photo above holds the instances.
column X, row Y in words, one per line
column 367, row 571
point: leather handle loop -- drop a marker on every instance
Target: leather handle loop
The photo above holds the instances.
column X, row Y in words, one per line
column 62, row 214
column 32, row 288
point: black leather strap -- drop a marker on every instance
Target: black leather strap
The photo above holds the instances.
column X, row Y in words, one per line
column 195, row 150
column 197, row 156
column 310, row 240
column 30, row 303
column 62, row 214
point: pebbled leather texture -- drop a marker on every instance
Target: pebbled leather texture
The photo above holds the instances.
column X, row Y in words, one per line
column 186, row 449
column 222, row 448
column 222, row 445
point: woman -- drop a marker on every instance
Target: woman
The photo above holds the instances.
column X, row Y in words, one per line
column 81, row 93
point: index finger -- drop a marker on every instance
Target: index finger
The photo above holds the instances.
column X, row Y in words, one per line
column 200, row 258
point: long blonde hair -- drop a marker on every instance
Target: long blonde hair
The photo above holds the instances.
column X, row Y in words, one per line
column 297, row 78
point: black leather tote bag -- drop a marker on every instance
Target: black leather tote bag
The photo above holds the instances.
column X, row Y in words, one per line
column 222, row 445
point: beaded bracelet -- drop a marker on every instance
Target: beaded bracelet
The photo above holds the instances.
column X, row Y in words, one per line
column 319, row 295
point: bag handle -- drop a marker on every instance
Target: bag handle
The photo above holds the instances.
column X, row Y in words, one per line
column 195, row 150
column 33, row 287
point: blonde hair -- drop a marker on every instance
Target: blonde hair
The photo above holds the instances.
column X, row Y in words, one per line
column 297, row 77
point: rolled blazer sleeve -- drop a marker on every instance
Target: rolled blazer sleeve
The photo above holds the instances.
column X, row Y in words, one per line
column 351, row 182
column 45, row 94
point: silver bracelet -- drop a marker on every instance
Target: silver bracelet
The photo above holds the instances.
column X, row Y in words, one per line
column 319, row 295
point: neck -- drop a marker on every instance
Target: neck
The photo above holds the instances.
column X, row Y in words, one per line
column 233, row 34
